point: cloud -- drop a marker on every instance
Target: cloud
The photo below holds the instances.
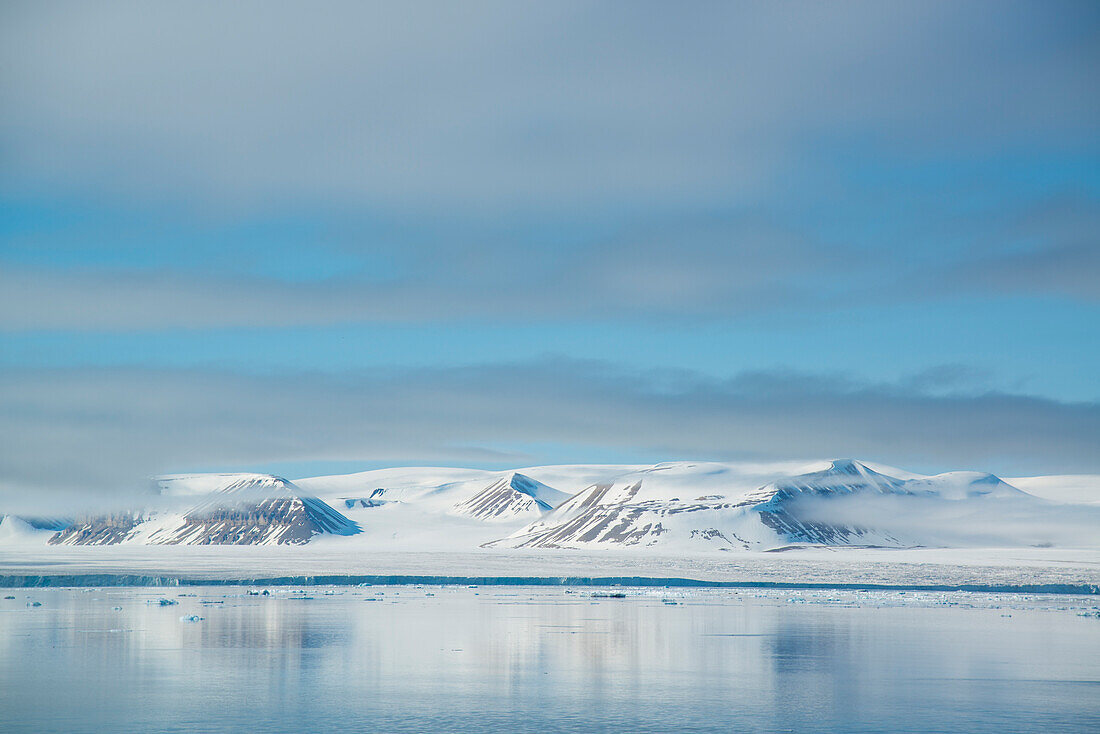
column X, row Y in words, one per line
column 989, row 522
column 949, row 378
column 497, row 106
column 700, row 267
column 1050, row 246
column 1072, row 269
column 104, row 431
column 541, row 161
column 716, row 267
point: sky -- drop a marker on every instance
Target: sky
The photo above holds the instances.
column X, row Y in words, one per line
column 322, row 237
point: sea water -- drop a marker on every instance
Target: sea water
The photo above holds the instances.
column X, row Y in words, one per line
column 487, row 659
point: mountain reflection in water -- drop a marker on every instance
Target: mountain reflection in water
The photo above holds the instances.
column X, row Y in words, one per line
column 544, row 659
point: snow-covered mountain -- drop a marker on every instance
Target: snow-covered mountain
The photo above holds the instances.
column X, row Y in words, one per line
column 672, row 507
column 251, row 510
column 511, row 497
column 654, row 507
column 779, row 504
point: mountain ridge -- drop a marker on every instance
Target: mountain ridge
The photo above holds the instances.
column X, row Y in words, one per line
column 251, row 510
column 674, row 506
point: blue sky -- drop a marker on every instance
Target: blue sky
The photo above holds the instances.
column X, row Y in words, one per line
column 681, row 215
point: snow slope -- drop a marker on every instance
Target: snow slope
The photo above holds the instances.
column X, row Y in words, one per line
column 674, row 507
column 843, row 503
column 253, row 509
column 17, row 531
column 511, row 497
column 1080, row 489
column 191, row 485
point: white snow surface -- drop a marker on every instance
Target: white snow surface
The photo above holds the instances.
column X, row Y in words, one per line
column 678, row 508
column 190, row 485
column 988, row 566
column 1078, row 489
column 18, row 532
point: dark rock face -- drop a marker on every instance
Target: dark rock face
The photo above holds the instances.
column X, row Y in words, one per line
column 284, row 520
column 778, row 503
column 252, row 511
column 265, row 510
column 506, row 499
column 589, row 517
column 793, row 530
column 98, row 530
column 47, row 523
column 609, row 515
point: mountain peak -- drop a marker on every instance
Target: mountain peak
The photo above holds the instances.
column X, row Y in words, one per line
column 253, row 509
column 523, row 484
column 847, row 466
column 511, row 496
column 264, row 482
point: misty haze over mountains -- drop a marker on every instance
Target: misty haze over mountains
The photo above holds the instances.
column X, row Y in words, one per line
column 678, row 507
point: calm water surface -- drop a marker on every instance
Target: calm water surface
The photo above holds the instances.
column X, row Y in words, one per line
column 403, row 659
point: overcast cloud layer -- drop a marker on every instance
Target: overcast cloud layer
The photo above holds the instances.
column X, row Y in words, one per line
column 714, row 269
column 569, row 158
column 712, row 184
column 536, row 104
column 144, row 422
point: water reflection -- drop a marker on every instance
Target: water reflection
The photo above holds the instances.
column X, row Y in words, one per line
column 404, row 659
